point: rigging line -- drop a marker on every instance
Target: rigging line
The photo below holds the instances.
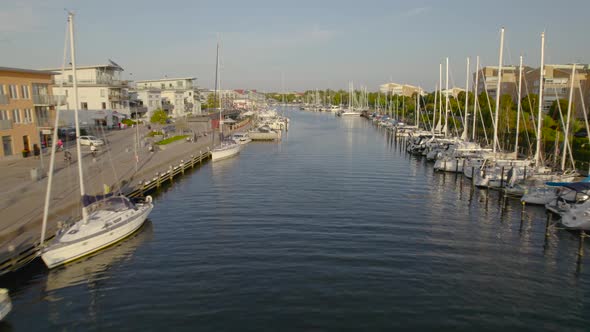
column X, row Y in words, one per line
column 485, row 86
column 530, row 114
column 566, row 143
column 458, row 104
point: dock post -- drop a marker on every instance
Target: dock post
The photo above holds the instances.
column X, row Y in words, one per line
column 547, row 224
column 192, row 161
column 581, row 247
column 200, row 157
column 456, row 165
column 524, row 176
column 502, row 178
column 473, row 176
column 182, row 166
column 142, row 188
column 158, row 180
column 170, row 173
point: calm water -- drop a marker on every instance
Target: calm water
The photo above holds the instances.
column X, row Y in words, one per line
column 333, row 229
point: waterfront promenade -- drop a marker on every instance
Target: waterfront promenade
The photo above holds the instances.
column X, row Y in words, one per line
column 115, row 165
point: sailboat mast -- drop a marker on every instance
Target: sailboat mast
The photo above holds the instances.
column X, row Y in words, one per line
column 465, row 131
column 518, row 107
column 218, row 86
column 434, row 109
column 418, row 108
column 439, row 96
column 498, row 92
column 475, row 97
column 447, row 101
column 540, row 112
column 567, row 124
column 76, row 118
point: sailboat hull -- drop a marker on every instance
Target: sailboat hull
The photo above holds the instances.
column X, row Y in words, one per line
column 60, row 253
column 225, row 152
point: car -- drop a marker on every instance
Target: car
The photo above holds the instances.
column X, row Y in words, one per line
column 90, row 140
column 581, row 133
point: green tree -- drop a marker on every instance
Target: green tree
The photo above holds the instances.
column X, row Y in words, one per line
column 555, row 108
column 159, row 117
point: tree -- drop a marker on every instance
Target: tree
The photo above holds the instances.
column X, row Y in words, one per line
column 212, row 101
column 555, row 108
column 159, row 117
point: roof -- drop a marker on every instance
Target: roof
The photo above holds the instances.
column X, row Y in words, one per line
column 29, row 71
column 167, row 79
column 87, row 67
column 578, row 186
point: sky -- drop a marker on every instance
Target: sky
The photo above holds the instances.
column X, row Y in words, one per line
column 295, row 45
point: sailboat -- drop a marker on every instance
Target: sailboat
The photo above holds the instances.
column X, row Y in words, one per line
column 226, row 148
column 106, row 219
column 350, row 111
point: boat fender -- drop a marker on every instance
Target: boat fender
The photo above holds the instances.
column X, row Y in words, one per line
column 148, row 198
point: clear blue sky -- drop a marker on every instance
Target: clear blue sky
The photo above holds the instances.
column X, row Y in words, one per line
column 316, row 44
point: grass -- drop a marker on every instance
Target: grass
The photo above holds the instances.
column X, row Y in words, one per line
column 171, row 139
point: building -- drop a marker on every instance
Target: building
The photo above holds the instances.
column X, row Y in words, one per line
column 150, row 98
column 179, row 96
column 27, row 110
column 557, row 83
column 102, row 93
column 488, row 81
column 399, row 89
column 452, row 92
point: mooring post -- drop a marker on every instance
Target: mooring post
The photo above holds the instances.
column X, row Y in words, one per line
column 456, row 165
column 170, row 173
column 581, row 247
column 157, row 179
column 502, row 178
column 524, row 176
column 473, row 176
column 142, row 188
column 182, row 166
column 549, row 215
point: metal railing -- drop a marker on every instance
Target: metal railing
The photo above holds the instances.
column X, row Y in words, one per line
column 51, row 100
column 102, row 81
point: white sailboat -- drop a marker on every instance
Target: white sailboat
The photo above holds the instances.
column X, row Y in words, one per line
column 226, row 148
column 106, row 219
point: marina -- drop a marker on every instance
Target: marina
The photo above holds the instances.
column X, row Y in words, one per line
column 364, row 237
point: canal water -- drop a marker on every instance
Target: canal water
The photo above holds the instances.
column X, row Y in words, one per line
column 334, row 228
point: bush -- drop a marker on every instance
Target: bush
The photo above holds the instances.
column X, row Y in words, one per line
column 128, row 122
column 154, row 133
column 171, row 139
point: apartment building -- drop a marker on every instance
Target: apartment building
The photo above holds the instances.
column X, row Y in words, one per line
column 399, row 89
column 179, row 96
column 27, row 110
column 102, row 93
column 557, row 83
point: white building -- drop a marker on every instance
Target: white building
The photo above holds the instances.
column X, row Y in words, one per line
column 400, row 89
column 101, row 92
column 180, row 93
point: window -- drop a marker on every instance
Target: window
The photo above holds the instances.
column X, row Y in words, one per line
column 104, row 106
column 151, row 103
column 3, row 115
column 102, row 93
column 1, row 89
column 162, row 85
column 70, row 78
column 28, row 115
column 16, row 116
column 13, row 93
column 24, row 89
column 84, row 105
column 41, row 114
column 66, row 92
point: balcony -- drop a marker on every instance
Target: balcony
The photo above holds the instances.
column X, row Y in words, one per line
column 4, row 100
column 99, row 81
column 5, row 124
column 49, row 100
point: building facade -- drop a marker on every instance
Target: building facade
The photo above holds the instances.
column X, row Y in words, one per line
column 179, row 96
column 399, row 89
column 103, row 95
column 27, row 110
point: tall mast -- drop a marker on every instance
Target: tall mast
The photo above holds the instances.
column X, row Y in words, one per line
column 475, row 87
column 447, row 101
column 540, row 112
column 439, row 96
column 518, row 107
column 76, row 118
column 418, row 108
column 434, row 110
column 498, row 92
column 218, row 86
column 567, row 124
column 464, row 136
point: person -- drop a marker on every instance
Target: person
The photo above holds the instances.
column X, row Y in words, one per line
column 36, row 150
column 93, row 150
column 60, row 144
column 68, row 156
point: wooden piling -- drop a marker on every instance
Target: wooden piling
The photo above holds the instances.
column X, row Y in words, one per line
column 502, row 178
column 581, row 246
column 158, row 180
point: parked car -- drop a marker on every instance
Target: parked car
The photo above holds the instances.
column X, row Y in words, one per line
column 90, row 140
column 581, row 133
column 66, row 133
